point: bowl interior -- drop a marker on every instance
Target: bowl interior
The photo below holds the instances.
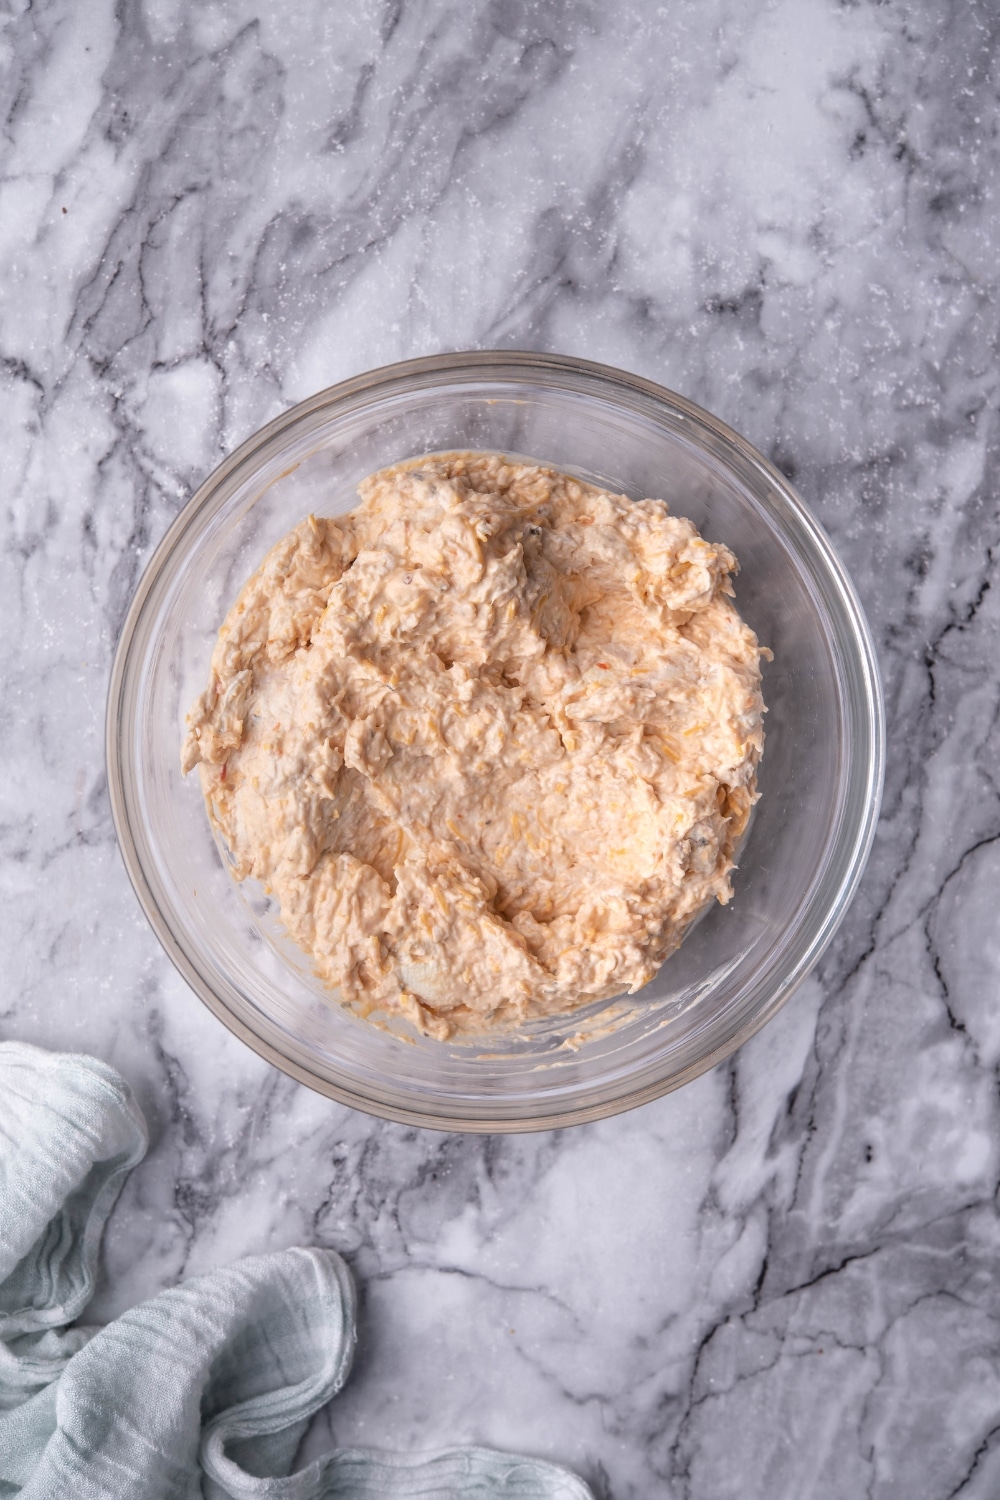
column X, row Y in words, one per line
column 818, row 777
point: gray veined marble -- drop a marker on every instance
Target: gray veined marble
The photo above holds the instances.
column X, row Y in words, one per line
column 783, row 1281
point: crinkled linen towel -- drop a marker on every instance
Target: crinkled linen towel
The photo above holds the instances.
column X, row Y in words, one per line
column 207, row 1389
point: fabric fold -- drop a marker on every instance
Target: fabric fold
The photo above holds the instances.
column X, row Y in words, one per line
column 70, row 1132
column 252, row 1351
column 203, row 1391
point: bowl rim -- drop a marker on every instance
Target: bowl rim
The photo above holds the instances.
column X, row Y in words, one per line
column 868, row 756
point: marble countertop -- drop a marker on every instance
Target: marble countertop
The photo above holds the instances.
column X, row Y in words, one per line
column 784, row 1280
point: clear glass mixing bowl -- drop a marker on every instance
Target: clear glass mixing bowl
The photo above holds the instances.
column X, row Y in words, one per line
column 820, row 777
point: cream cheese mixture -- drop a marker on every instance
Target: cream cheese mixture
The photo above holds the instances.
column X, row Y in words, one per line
column 490, row 740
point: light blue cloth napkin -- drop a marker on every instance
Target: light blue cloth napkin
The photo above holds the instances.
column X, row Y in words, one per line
column 207, row 1389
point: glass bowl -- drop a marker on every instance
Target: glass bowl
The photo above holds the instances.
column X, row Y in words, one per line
column 820, row 777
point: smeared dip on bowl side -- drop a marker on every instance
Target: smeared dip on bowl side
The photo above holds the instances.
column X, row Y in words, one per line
column 490, row 740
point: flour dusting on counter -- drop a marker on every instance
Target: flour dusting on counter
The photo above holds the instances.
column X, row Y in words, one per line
column 490, row 740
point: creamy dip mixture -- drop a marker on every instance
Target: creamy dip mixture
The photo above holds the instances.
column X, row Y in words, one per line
column 490, row 740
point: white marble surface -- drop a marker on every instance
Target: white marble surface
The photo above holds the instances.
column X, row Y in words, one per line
column 783, row 1281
